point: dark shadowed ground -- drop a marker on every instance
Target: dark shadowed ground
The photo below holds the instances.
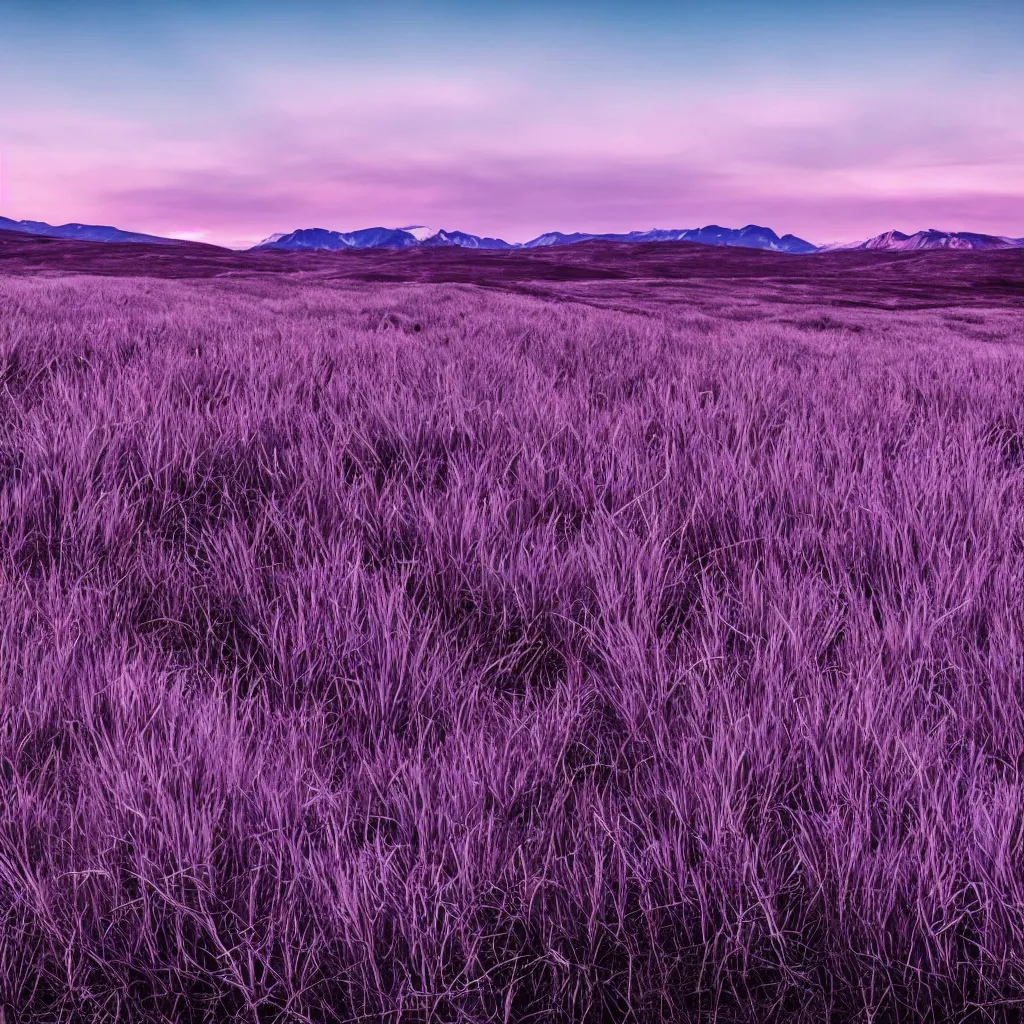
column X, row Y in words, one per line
column 640, row 275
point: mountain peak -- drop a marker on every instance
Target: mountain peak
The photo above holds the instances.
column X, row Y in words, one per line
column 82, row 232
column 932, row 238
column 420, row 231
column 325, row 240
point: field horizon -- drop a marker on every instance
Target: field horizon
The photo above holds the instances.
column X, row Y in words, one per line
column 596, row 635
column 872, row 278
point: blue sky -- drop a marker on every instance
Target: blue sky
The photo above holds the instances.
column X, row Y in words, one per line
column 229, row 120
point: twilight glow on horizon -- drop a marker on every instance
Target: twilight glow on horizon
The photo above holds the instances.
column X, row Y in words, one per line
column 227, row 120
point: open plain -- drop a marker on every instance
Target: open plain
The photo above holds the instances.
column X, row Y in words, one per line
column 601, row 633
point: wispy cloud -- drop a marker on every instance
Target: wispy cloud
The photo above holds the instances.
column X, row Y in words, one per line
column 516, row 155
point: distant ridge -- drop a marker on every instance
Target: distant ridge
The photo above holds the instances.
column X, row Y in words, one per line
column 466, row 241
column 320, row 239
column 82, row 232
column 751, row 237
column 897, row 241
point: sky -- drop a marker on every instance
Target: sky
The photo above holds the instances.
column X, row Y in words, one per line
column 228, row 120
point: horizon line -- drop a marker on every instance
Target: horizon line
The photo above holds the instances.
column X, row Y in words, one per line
column 198, row 235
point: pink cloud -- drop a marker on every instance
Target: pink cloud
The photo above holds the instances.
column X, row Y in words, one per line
column 515, row 157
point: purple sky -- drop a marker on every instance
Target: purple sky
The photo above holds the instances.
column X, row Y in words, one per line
column 228, row 121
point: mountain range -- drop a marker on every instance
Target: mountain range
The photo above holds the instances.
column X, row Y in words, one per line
column 752, row 237
column 897, row 241
column 420, row 237
column 81, row 232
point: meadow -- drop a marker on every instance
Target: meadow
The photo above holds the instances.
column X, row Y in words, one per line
column 587, row 650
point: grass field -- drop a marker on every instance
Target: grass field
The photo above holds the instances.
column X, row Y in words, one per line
column 585, row 650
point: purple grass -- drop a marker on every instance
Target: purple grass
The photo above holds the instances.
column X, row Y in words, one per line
column 429, row 652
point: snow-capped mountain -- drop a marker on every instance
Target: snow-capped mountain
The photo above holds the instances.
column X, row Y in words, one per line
column 379, row 238
column 320, row 239
column 466, row 241
column 419, row 231
column 81, row 232
column 897, row 241
column 559, row 238
column 751, row 237
column 414, row 236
